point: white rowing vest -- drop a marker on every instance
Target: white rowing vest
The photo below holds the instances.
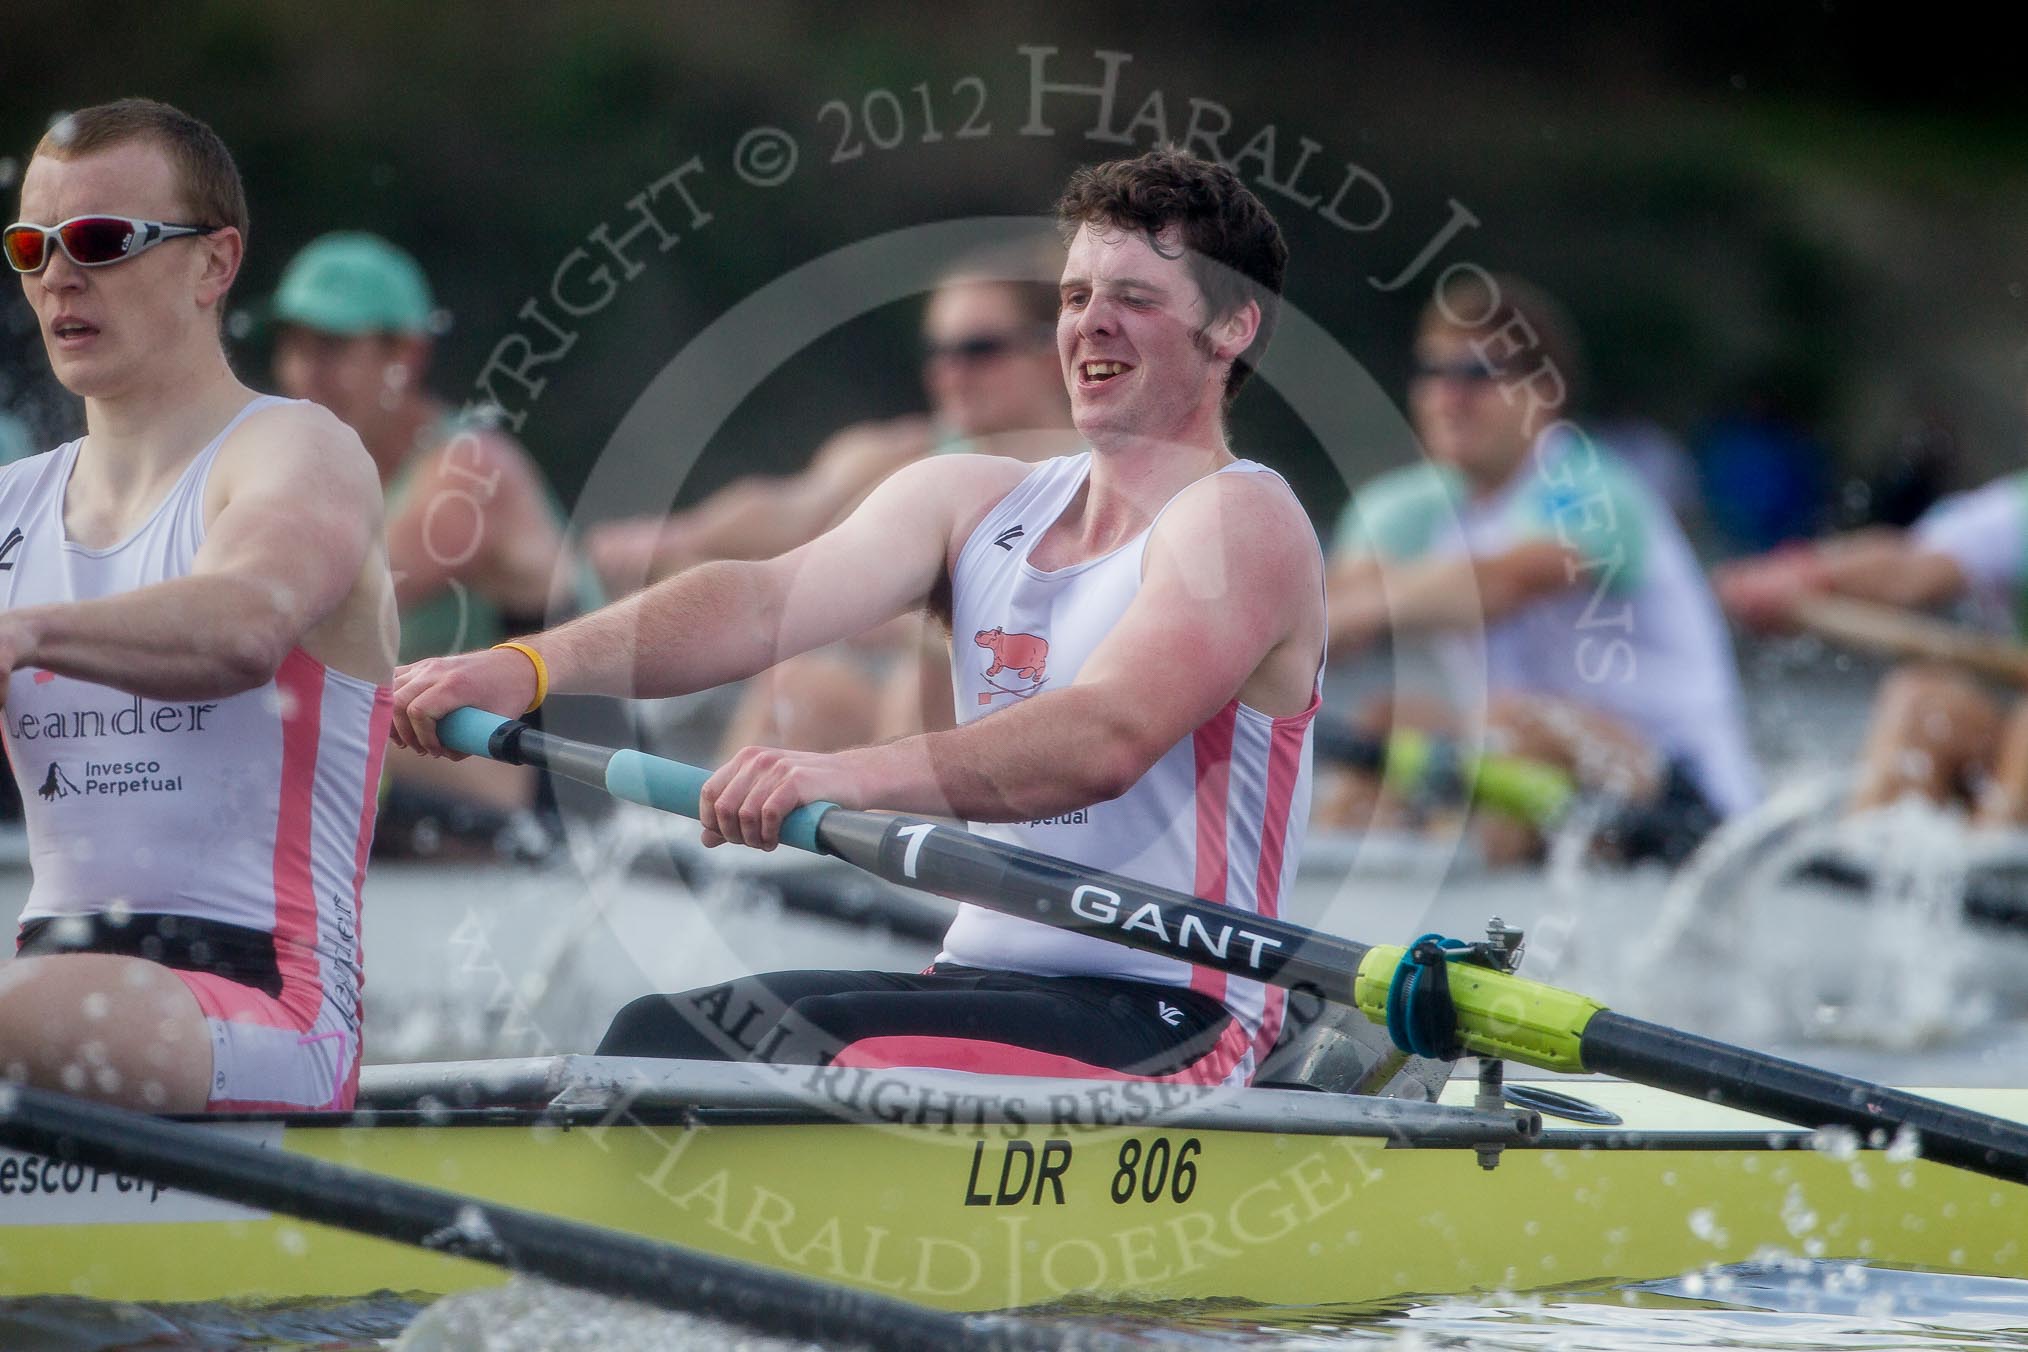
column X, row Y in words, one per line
column 253, row 809
column 1221, row 815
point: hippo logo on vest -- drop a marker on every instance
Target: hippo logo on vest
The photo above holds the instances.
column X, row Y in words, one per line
column 1026, row 655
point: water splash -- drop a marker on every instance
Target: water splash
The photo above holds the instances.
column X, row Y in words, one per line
column 534, row 1316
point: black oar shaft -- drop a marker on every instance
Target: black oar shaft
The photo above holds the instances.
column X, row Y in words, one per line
column 519, row 744
column 1647, row 1053
column 1121, row 910
column 606, row 1261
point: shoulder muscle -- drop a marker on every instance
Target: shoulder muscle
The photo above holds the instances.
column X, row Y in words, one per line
column 301, row 448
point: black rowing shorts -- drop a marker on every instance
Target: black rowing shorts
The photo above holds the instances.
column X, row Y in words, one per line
column 186, row 943
column 948, row 1018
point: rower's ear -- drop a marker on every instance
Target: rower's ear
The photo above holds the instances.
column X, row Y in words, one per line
column 220, row 254
column 1234, row 334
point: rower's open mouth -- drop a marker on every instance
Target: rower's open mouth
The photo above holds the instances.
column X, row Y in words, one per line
column 1098, row 372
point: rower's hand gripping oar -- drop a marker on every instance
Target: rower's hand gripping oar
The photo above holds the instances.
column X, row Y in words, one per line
column 1498, row 1014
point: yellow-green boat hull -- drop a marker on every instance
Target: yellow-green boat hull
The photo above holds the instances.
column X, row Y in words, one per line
column 977, row 1218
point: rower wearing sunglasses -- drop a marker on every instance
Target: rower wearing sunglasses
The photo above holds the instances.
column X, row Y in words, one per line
column 474, row 537
column 198, row 634
column 1564, row 603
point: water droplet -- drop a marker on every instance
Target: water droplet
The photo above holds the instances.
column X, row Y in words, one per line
column 473, row 1225
column 1704, row 1224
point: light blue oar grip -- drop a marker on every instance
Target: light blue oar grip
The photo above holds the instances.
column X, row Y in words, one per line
column 674, row 787
column 469, row 730
column 654, row 782
column 634, row 776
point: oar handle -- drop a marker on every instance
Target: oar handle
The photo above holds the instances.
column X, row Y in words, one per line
column 634, row 776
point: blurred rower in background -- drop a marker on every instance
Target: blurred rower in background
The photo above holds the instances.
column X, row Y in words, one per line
column 990, row 369
column 1934, row 730
column 1603, row 654
column 16, row 442
column 474, row 538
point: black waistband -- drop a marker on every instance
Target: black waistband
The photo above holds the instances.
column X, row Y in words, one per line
column 185, row 942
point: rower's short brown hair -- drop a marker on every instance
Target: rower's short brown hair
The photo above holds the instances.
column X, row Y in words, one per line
column 212, row 192
column 1233, row 245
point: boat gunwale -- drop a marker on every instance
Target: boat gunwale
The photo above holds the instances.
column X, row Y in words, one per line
column 1571, row 1138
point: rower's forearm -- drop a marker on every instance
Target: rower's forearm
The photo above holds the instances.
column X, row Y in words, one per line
column 1887, row 568
column 1014, row 766
column 710, row 625
column 201, row 637
column 1445, row 595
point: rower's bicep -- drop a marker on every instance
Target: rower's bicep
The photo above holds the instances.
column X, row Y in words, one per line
column 1225, row 582
column 299, row 512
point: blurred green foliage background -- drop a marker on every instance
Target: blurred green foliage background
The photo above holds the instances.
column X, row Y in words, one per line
column 1795, row 198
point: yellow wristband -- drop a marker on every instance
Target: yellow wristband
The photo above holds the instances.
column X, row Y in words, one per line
column 541, row 673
